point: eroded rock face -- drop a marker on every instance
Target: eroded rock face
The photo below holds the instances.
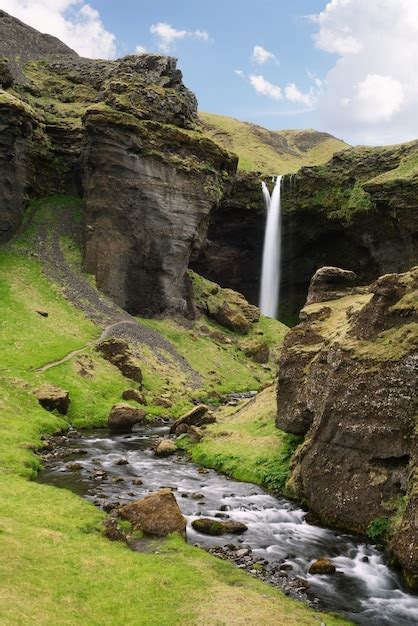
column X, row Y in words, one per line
column 145, row 214
column 15, row 134
column 347, row 380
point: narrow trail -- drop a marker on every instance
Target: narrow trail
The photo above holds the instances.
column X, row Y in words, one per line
column 115, row 322
column 67, row 357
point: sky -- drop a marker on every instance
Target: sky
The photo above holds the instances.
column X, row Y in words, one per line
column 348, row 67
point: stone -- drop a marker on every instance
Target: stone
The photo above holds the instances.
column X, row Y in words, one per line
column 163, row 402
column 329, row 283
column 53, row 398
column 118, row 352
column 123, row 417
column 42, row 313
column 166, row 447
column 181, row 429
column 195, row 434
column 112, row 531
column 322, row 566
column 157, row 514
column 135, row 395
column 215, row 527
column 195, row 417
column 255, row 349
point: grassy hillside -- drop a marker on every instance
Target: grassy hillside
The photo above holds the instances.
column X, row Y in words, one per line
column 267, row 151
column 56, row 567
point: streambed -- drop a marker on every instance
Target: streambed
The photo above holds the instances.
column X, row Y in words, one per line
column 107, row 468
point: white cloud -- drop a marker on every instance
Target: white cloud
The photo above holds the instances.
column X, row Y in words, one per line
column 264, row 87
column 239, row 73
column 260, row 55
column 293, row 94
column 378, row 98
column 167, row 35
column 371, row 93
column 75, row 22
column 140, row 50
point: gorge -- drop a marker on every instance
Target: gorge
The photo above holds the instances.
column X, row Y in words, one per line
column 131, row 267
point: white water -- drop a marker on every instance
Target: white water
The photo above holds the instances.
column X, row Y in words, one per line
column 270, row 273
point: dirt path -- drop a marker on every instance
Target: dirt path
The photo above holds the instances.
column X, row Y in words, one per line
column 96, row 306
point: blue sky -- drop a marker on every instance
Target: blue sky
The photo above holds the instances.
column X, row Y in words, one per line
column 234, row 28
column 351, row 68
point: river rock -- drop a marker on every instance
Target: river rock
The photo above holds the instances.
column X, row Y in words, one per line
column 157, row 514
column 322, row 566
column 53, row 398
column 215, row 527
column 197, row 416
column 123, row 416
column 166, row 447
column 135, row 395
column 195, row 434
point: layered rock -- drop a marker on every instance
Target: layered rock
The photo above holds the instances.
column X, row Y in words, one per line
column 347, row 381
column 16, row 128
column 149, row 190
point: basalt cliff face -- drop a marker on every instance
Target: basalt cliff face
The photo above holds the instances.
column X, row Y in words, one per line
column 347, row 382
column 123, row 135
column 358, row 212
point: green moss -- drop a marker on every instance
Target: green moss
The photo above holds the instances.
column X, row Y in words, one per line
column 378, row 528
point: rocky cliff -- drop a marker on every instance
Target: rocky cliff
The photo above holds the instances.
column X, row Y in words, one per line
column 123, row 135
column 358, row 211
column 347, row 381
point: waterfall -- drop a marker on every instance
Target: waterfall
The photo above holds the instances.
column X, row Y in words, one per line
column 270, row 273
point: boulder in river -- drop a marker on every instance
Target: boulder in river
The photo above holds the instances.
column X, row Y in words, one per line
column 197, row 416
column 166, row 447
column 322, row 566
column 53, row 398
column 157, row 515
column 215, row 527
column 123, row 416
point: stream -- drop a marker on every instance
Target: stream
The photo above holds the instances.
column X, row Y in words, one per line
column 363, row 589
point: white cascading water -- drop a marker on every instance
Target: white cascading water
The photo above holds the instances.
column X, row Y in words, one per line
column 270, row 273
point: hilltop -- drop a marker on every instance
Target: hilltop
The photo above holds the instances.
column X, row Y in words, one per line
column 270, row 151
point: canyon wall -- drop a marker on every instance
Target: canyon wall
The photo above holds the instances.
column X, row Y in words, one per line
column 347, row 382
column 358, row 212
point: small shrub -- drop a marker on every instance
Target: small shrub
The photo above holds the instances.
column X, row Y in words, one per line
column 378, row 528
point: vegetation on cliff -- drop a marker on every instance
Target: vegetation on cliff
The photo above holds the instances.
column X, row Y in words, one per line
column 270, row 152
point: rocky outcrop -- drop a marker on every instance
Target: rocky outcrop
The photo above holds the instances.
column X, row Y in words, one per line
column 53, row 398
column 124, row 135
column 148, row 193
column 347, row 381
column 227, row 307
column 15, row 135
column 118, row 352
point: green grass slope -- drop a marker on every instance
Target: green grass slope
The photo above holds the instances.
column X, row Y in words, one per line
column 267, row 151
column 56, row 567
